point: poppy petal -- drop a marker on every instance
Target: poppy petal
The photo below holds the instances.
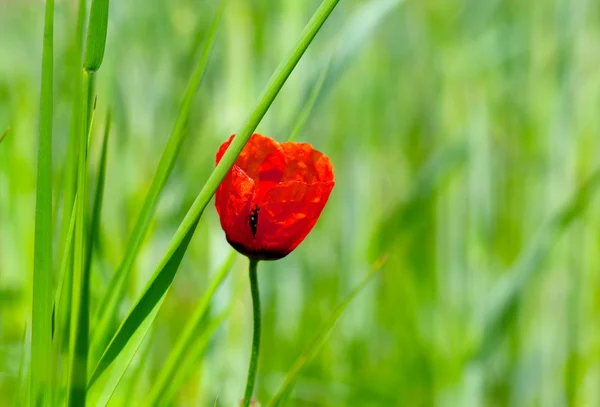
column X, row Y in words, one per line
column 223, row 148
column 262, row 158
column 306, row 164
column 233, row 201
column 289, row 212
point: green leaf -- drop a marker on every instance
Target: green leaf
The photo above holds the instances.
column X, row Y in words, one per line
column 193, row 357
column 78, row 352
column 62, row 302
column 132, row 332
column 41, row 335
column 96, row 35
column 145, row 309
column 510, row 289
column 310, row 103
column 353, row 37
column 99, row 194
column 70, row 166
column 323, row 334
column 107, row 310
column 187, row 338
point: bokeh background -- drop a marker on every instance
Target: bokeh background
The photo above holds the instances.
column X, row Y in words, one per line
column 465, row 140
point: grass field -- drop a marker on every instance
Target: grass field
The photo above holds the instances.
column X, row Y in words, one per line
column 465, row 138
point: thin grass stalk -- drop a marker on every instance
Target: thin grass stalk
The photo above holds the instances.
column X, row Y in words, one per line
column 41, row 335
column 193, row 359
column 510, row 289
column 78, row 358
column 98, row 195
column 129, row 388
column 70, row 171
column 61, row 310
column 145, row 309
column 107, row 311
column 23, row 387
column 76, row 391
column 321, row 337
column 188, row 337
column 312, row 100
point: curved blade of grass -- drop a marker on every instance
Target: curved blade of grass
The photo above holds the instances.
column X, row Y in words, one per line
column 62, row 276
column 41, row 334
column 193, row 358
column 188, row 337
column 62, row 301
column 354, row 35
column 99, row 194
column 315, row 346
column 4, row 133
column 78, row 352
column 107, row 310
column 505, row 296
column 102, row 391
column 144, row 353
column 310, row 103
column 145, row 309
column 357, row 32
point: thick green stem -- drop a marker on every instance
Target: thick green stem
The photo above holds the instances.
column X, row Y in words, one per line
column 79, row 335
column 256, row 335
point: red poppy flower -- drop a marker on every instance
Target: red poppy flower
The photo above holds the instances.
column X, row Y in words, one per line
column 272, row 196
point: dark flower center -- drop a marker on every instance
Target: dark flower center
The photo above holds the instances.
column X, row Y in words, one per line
column 254, row 219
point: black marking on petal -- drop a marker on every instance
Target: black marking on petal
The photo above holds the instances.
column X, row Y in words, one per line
column 254, row 219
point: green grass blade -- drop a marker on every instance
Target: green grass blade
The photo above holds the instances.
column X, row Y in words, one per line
column 136, row 376
column 133, row 331
column 23, row 386
column 41, row 335
column 78, row 352
column 188, row 337
column 359, row 30
column 107, row 311
column 509, row 290
column 62, row 276
column 193, row 357
column 310, row 103
column 353, row 37
column 4, row 133
column 313, row 348
column 147, row 305
column 70, row 169
column 95, row 43
column 94, row 231
column 62, row 302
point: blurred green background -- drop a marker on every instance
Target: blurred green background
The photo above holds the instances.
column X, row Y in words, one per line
column 463, row 135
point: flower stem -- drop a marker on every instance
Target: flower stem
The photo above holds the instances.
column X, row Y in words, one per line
column 256, row 335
